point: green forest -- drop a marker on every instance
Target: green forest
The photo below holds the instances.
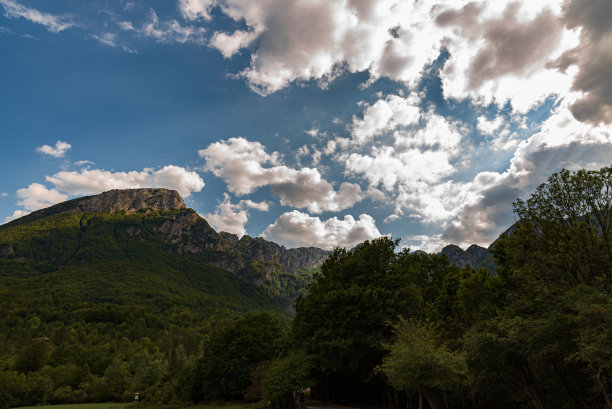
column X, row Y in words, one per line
column 378, row 326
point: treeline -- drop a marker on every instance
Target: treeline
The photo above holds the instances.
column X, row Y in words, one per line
column 400, row 329
column 378, row 327
column 111, row 352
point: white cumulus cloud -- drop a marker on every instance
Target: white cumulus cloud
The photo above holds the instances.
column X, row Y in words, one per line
column 229, row 217
column 58, row 151
column 500, row 50
column 240, row 164
column 385, row 115
column 297, row 229
column 298, row 40
column 37, row 196
column 93, row 181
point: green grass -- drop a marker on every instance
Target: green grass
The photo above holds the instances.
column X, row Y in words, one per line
column 229, row 405
column 145, row 405
column 110, row 405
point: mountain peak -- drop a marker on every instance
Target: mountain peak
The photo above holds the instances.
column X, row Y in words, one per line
column 117, row 200
column 131, row 201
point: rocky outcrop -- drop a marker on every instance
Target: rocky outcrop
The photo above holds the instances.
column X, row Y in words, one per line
column 307, row 257
column 131, row 201
column 477, row 253
column 124, row 200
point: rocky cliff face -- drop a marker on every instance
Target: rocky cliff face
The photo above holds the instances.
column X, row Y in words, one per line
column 131, row 201
column 291, row 260
column 125, row 200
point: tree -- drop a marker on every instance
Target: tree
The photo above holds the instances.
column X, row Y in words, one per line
column 419, row 363
column 33, row 357
column 556, row 268
column 564, row 233
column 284, row 378
column 232, row 353
column 349, row 311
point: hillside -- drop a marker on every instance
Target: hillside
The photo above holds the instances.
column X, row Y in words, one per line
column 117, row 292
column 127, row 224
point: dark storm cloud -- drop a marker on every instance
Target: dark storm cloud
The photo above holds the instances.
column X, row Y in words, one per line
column 593, row 57
column 514, row 47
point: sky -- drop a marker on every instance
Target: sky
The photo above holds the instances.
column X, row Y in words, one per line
column 307, row 122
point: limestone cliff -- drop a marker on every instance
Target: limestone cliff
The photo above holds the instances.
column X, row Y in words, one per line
column 118, row 200
column 131, row 201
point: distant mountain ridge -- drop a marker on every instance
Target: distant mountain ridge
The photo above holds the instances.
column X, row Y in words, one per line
column 474, row 256
column 281, row 272
column 151, row 215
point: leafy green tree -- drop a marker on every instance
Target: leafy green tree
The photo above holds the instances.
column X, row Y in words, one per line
column 348, row 314
column 33, row 357
column 556, row 268
column 285, row 378
column 419, row 363
column 12, row 389
column 564, row 234
column 232, row 353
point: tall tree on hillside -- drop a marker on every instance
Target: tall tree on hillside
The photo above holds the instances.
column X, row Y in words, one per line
column 557, row 270
column 348, row 314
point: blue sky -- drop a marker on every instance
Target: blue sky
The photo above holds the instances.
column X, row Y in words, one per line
column 307, row 122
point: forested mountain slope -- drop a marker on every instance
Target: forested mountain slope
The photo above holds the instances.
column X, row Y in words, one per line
column 110, row 293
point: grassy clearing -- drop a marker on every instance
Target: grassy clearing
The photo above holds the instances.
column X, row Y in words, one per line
column 225, row 405
column 110, row 405
column 143, row 405
column 218, row 405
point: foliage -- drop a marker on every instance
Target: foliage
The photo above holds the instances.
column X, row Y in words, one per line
column 104, row 315
column 417, row 362
column 91, row 313
column 232, row 354
column 537, row 334
column 284, row 378
column 556, row 268
column 348, row 314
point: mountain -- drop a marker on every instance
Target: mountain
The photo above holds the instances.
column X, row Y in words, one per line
column 474, row 256
column 152, row 230
column 109, row 294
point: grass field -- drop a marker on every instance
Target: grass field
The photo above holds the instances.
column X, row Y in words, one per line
column 111, row 405
column 239, row 405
